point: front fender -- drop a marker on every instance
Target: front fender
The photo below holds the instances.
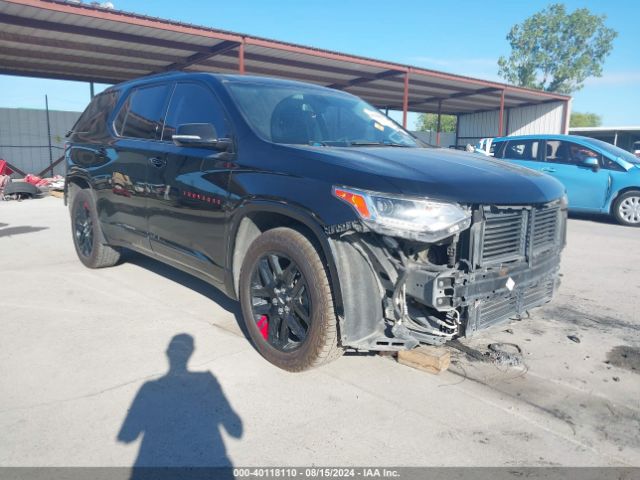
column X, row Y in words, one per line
column 298, row 214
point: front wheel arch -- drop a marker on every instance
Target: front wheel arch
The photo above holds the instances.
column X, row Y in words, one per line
column 253, row 219
column 615, row 205
column 617, row 195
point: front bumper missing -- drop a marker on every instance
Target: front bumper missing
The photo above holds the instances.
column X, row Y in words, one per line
column 489, row 296
column 394, row 297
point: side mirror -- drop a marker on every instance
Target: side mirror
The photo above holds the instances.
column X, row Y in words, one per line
column 201, row 135
column 590, row 162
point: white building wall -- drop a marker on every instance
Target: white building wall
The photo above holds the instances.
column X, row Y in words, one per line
column 23, row 137
column 535, row 119
column 446, row 138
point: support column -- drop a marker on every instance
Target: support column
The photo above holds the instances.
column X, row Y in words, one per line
column 501, row 116
column 438, row 123
column 91, row 89
column 46, row 106
column 241, row 58
column 615, row 139
column 405, row 100
column 566, row 111
column 457, row 124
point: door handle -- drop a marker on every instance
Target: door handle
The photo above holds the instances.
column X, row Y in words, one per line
column 548, row 170
column 157, row 162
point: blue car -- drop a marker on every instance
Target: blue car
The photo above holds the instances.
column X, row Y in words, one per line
column 599, row 177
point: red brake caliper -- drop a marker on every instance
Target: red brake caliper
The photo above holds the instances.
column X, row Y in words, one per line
column 263, row 326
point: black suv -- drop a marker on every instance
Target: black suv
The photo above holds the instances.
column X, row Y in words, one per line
column 333, row 226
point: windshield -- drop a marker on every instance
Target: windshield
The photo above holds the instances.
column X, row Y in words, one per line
column 616, row 151
column 296, row 114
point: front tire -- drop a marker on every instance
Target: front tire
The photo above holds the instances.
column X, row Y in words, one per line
column 85, row 228
column 626, row 208
column 286, row 299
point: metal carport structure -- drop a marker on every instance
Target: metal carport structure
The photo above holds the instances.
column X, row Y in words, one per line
column 74, row 41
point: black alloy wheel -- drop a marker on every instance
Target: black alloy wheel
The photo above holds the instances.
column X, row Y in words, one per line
column 83, row 229
column 280, row 301
column 88, row 239
column 287, row 302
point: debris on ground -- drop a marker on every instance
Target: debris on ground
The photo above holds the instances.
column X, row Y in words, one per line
column 54, row 183
column 427, row 358
column 573, row 338
column 505, row 354
column 17, row 190
column 616, row 379
column 508, row 330
column 30, row 186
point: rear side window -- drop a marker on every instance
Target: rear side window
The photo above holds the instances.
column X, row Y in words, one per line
column 92, row 124
column 522, row 150
column 194, row 103
column 497, row 149
column 141, row 114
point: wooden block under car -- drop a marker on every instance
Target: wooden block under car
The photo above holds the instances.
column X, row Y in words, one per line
column 429, row 359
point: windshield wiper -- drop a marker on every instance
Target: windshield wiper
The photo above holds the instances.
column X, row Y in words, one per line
column 376, row 144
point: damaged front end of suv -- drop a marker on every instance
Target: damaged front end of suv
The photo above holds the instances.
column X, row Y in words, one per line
column 425, row 271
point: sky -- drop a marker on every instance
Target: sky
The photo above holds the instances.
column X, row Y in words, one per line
column 464, row 37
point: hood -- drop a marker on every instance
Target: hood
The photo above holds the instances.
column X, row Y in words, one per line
column 437, row 173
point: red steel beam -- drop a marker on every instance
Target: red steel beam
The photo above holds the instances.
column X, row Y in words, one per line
column 98, row 33
column 56, row 57
column 259, row 57
column 405, row 100
column 241, row 58
column 232, row 64
column 87, row 10
column 360, row 80
column 501, row 114
column 61, row 72
column 438, row 123
column 482, row 91
column 198, row 57
column 286, row 47
column 87, row 47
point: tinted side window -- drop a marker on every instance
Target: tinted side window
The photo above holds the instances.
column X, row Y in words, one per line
column 144, row 109
column 556, row 151
column 92, row 124
column 193, row 103
column 611, row 165
column 579, row 153
column 118, row 123
column 497, row 149
column 569, row 153
column 522, row 150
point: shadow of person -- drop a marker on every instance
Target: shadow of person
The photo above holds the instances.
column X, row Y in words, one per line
column 179, row 417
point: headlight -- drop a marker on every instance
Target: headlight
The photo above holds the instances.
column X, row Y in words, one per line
column 564, row 202
column 414, row 218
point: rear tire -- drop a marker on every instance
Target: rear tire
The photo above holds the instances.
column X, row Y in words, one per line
column 87, row 236
column 310, row 338
column 626, row 209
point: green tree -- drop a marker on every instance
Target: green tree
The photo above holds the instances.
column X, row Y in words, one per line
column 429, row 122
column 556, row 51
column 585, row 119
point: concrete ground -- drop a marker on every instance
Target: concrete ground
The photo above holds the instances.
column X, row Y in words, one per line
column 77, row 346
